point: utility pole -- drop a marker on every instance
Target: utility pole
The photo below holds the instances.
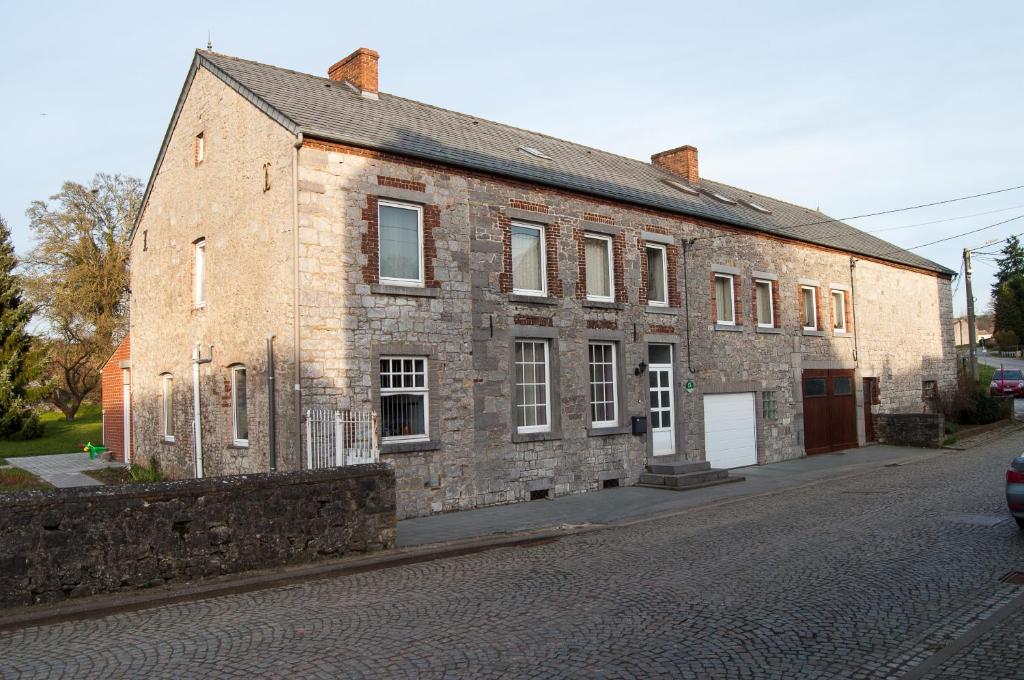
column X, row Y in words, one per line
column 972, row 333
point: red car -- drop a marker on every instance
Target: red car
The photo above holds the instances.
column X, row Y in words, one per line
column 1007, row 382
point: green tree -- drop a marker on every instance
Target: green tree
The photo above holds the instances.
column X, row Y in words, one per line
column 1008, row 289
column 78, row 277
column 19, row 363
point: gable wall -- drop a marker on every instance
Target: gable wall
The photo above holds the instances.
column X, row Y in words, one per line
column 248, row 233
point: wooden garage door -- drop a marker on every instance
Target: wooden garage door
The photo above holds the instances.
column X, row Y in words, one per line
column 830, row 410
column 730, row 430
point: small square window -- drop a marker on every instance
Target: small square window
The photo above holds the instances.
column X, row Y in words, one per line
column 770, row 405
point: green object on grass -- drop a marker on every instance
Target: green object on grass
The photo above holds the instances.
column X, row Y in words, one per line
column 94, row 451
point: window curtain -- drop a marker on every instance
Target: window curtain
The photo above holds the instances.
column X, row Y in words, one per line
column 810, row 312
column 399, row 243
column 723, row 299
column 764, row 304
column 597, row 267
column 526, row 264
column 656, row 275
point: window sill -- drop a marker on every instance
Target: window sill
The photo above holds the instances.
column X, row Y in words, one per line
column 238, row 446
column 657, row 309
column 733, row 328
column 842, row 334
column 410, row 447
column 523, row 437
column 608, row 430
column 819, row 334
column 168, row 442
column 411, row 291
column 532, row 299
column 600, row 304
column 770, row 330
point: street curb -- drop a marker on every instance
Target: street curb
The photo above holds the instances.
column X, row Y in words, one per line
column 118, row 603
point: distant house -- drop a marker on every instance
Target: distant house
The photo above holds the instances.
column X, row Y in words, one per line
column 961, row 330
column 116, row 390
column 528, row 316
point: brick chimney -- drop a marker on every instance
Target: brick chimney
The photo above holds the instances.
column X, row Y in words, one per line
column 358, row 68
column 681, row 161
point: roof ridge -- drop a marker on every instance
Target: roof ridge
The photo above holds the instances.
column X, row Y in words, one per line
column 440, row 108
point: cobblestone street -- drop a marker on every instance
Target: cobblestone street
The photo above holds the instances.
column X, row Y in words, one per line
column 890, row 573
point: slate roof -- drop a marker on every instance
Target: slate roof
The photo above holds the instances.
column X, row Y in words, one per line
column 324, row 109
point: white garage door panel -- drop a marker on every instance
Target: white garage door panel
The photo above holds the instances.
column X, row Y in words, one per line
column 730, row 430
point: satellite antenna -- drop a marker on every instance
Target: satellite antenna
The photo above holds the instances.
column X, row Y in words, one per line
column 209, row 40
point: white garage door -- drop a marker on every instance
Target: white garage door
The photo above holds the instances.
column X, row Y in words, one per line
column 730, row 430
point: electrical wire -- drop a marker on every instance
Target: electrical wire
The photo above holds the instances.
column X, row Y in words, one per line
column 949, row 238
column 948, row 219
column 874, row 214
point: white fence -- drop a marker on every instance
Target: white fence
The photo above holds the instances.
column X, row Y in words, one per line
column 337, row 438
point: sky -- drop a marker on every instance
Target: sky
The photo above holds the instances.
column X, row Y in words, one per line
column 852, row 108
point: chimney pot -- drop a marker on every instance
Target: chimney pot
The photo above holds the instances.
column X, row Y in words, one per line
column 358, row 68
column 681, row 161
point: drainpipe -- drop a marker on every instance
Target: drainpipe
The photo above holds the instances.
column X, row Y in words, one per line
column 271, row 404
column 686, row 297
column 853, row 312
column 296, row 356
column 197, row 423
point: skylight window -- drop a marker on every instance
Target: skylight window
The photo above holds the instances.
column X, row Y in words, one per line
column 535, row 152
column 720, row 197
column 756, row 206
column 681, row 187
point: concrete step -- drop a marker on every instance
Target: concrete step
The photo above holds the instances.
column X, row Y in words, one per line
column 683, row 480
column 679, row 468
column 714, row 482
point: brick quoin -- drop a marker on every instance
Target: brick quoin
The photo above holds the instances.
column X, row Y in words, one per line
column 112, row 398
column 505, row 278
column 641, row 247
column 602, row 219
column 619, row 257
column 670, row 330
column 552, row 235
column 776, row 307
column 526, row 205
column 401, row 183
column 603, row 324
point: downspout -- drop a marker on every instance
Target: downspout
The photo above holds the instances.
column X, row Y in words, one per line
column 853, row 312
column 296, row 348
column 271, row 404
column 686, row 297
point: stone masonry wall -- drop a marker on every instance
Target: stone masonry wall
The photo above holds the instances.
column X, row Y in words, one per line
column 465, row 325
column 70, row 543
column 911, row 429
column 240, row 200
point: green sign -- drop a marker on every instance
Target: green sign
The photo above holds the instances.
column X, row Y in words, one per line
column 689, row 386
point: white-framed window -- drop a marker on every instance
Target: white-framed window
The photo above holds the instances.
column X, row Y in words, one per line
column 239, row 406
column 199, row 273
column 529, row 263
column 400, row 234
column 657, row 275
column 725, row 297
column 764, row 302
column 533, row 386
column 809, row 302
column 603, row 402
column 167, row 406
column 839, row 311
column 597, row 249
column 404, row 399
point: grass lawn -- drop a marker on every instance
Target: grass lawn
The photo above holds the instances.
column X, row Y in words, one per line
column 59, row 436
column 985, row 373
column 14, row 479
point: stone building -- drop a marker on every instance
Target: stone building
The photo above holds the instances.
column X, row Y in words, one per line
column 508, row 302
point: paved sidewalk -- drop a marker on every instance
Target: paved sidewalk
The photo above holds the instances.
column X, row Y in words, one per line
column 621, row 504
column 63, row 470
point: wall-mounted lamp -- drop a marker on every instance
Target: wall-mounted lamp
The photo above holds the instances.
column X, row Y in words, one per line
column 641, row 369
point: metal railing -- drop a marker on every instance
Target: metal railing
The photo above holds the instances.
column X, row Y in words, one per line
column 336, row 438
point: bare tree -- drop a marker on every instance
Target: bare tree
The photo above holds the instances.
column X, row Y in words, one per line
column 78, row 278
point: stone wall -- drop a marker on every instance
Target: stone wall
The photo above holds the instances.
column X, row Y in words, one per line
column 76, row 542
column 239, row 199
column 465, row 322
column 911, row 429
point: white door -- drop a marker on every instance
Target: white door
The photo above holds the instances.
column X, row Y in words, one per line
column 730, row 430
column 663, row 417
column 126, row 414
